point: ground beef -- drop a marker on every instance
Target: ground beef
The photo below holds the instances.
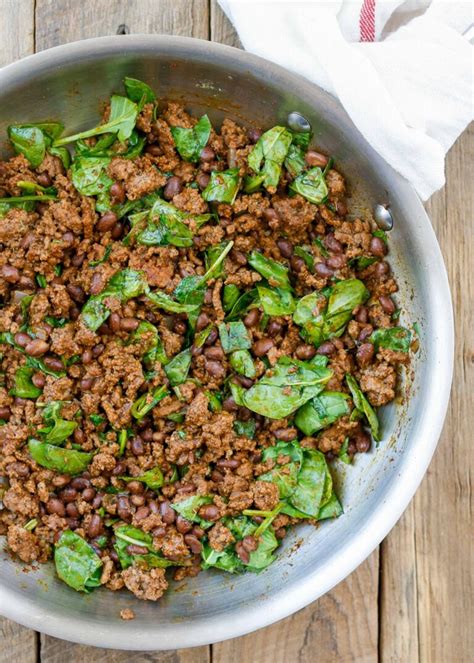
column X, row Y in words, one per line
column 149, row 390
column 148, row 585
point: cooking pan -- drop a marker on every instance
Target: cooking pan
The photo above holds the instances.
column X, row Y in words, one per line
column 69, row 83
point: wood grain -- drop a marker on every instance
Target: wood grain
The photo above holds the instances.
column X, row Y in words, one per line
column 221, row 28
column 17, row 28
column 70, row 20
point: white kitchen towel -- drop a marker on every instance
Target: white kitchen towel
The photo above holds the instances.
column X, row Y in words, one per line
column 402, row 69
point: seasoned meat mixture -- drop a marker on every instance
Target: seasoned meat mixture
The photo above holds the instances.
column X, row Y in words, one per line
column 194, row 332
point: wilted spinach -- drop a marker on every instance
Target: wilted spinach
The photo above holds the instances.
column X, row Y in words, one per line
column 275, row 273
column 57, row 430
column 285, row 387
column 363, row 405
column 127, row 535
column 189, row 507
column 276, row 301
column 242, row 363
column 177, row 368
column 397, row 339
column 245, row 428
column 321, row 319
column 77, row 563
column 24, row 387
column 32, row 140
column 267, row 156
column 191, row 142
column 155, row 350
column 321, row 411
column 138, row 91
column 64, row 461
column 223, row 186
column 147, row 401
column 294, row 161
column 152, row 478
column 234, row 336
column 311, row 185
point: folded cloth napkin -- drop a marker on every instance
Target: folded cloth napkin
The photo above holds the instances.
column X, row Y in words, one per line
column 402, row 69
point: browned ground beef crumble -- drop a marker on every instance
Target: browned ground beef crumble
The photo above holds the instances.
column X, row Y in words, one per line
column 98, row 374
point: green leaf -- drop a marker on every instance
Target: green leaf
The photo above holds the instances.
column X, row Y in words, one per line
column 24, row 387
column 152, row 478
column 105, row 257
column 223, row 186
column 311, row 185
column 285, row 388
column 39, row 365
column 178, row 368
column 312, row 485
column 58, row 429
column 29, row 141
column 124, row 285
column 138, row 91
column 147, row 401
column 245, row 428
column 275, row 273
column 285, row 476
column 225, row 560
column 189, row 507
column 307, row 256
column 77, row 563
column 321, row 320
column 242, row 363
column 276, row 301
column 155, row 350
column 332, row 509
column 321, row 411
column 164, row 301
column 230, row 295
column 212, row 254
column 234, row 336
column 89, row 175
column 363, row 405
column 343, row 454
column 127, row 535
column 191, row 142
column 294, row 162
column 123, row 115
column 268, row 154
column 263, row 556
column 64, row 461
column 397, row 339
column 242, row 304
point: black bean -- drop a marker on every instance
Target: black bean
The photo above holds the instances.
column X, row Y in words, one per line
column 142, row 512
column 123, row 508
column 39, row 380
column 214, row 352
column 117, row 193
column 386, row 303
column 362, row 442
column 336, row 262
column 168, row 514
column 305, row 351
column 242, row 553
column 106, row 222
column 326, row 348
column 272, row 217
column 182, row 525
column 228, row 463
column 88, row 494
column 95, row 526
column 209, row 512
column 362, row 314
column 285, row 434
column 254, row 134
column 378, row 247
column 172, row 187
column 333, row 244
column 129, row 324
column 135, row 487
column 36, row 347
column 71, row 510
column 137, row 446
column 314, row 159
column 79, row 483
column 212, row 337
column 54, row 505
column 154, row 149
column 274, row 328
column 262, row 347
column 244, row 381
column 202, row 180
column 207, row 154
column 323, row 270
column 382, row 268
column 286, row 248
column 68, row 494
column 86, row 384
column 229, row 405
column 22, row 339
column 117, row 231
column 250, row 543
column 133, row 549
column 252, row 317
column 10, row 274
column 96, row 284
column 43, row 179
column 193, row 543
column 53, row 363
column 215, row 368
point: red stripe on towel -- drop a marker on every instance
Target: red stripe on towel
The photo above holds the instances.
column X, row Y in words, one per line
column 367, row 21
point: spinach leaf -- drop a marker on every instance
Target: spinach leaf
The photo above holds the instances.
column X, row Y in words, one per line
column 276, row 301
column 64, row 461
column 285, row 388
column 138, row 91
column 127, row 535
column 191, row 142
column 314, row 484
column 271, row 149
column 245, row 428
column 124, row 285
column 242, row 303
column 234, row 336
column 57, row 429
column 295, row 162
column 363, row 405
column 284, row 475
column 223, row 186
column 311, row 185
column 178, row 368
column 343, row 454
column 24, row 387
column 105, row 257
column 275, row 273
column 155, row 350
column 215, row 400
column 263, row 556
column 89, row 175
column 397, row 339
column 29, row 141
column 152, row 478
column 147, row 401
column 32, row 188
column 332, row 508
column 212, row 254
column 39, row 365
column 242, row 363
column 122, row 118
column 320, row 320
column 164, row 301
column 225, row 560
column 77, row 563
column 307, row 256
column 189, row 507
column 230, row 295
column 321, row 411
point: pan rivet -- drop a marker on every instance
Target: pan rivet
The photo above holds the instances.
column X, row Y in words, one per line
column 383, row 217
column 297, row 122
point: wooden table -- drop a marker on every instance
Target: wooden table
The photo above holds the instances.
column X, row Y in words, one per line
column 412, row 599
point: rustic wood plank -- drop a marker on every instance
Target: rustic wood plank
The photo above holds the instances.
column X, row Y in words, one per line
column 444, row 552
column 59, row 651
column 16, row 30
column 70, row 20
column 222, row 29
column 17, row 643
column 341, row 626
